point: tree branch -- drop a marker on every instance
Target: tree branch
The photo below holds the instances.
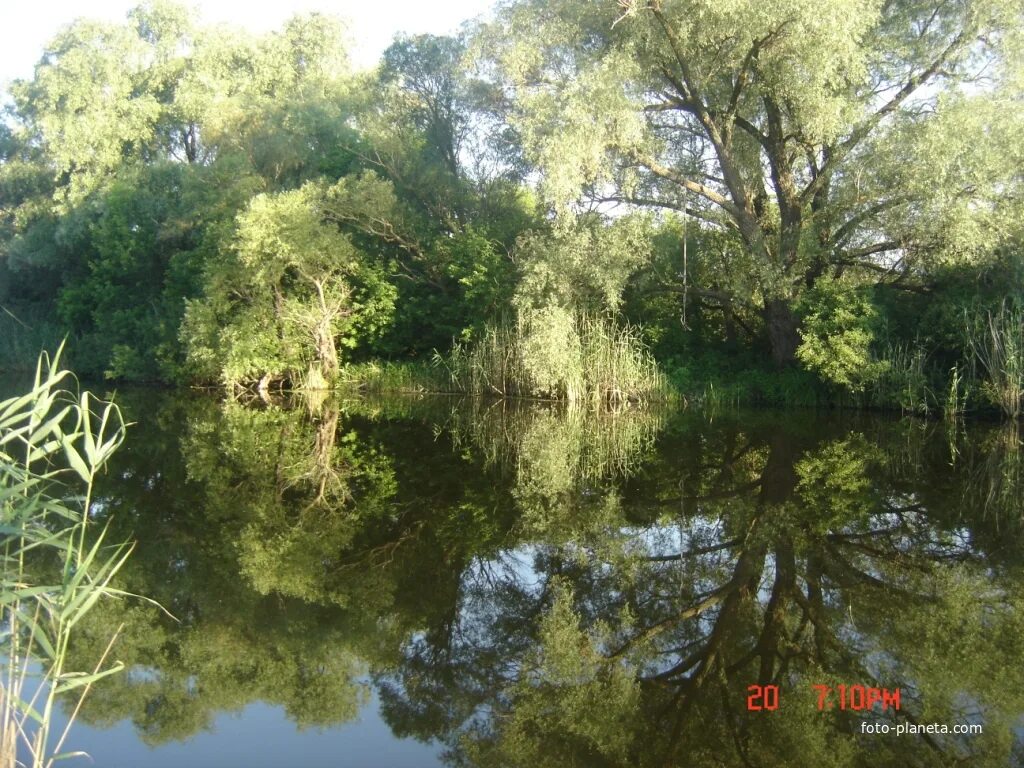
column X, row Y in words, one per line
column 847, row 228
column 697, row 213
column 865, row 128
column 854, row 256
column 676, row 178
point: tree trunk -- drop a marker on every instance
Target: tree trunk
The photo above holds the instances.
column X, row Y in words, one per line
column 779, row 478
column 782, row 331
column 326, row 351
column 731, row 338
column 323, row 338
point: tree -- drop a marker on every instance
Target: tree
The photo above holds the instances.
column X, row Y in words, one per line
column 278, row 305
column 820, row 138
column 432, row 132
column 133, row 148
column 159, row 87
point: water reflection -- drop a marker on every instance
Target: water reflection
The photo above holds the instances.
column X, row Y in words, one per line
column 535, row 587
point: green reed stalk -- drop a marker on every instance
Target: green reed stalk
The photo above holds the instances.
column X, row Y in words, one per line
column 997, row 342
column 578, row 359
column 53, row 573
column 904, row 383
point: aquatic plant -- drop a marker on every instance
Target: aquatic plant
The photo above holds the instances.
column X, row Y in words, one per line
column 997, row 342
column 957, row 394
column 558, row 355
column 52, row 444
column 904, row 381
column 388, row 376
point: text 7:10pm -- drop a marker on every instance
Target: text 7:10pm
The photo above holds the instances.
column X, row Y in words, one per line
column 856, row 697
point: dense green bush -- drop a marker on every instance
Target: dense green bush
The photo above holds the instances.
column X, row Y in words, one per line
column 838, row 331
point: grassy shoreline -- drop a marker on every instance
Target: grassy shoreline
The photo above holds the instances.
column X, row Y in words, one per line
column 916, row 393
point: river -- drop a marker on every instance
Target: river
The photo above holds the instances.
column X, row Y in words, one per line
column 427, row 581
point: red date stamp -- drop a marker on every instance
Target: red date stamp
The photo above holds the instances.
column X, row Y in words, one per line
column 854, row 697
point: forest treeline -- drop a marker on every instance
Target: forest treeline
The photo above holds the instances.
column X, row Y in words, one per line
column 608, row 200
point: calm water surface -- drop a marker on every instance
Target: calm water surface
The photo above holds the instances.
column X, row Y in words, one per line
column 429, row 582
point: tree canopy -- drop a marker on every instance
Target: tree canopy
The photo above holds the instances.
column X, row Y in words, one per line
column 818, row 137
column 829, row 187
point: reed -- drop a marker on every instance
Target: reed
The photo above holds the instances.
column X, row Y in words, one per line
column 24, row 337
column 904, row 382
column 996, row 341
column 554, row 355
column 957, row 394
column 52, row 444
column 493, row 365
column 551, row 356
column 387, row 376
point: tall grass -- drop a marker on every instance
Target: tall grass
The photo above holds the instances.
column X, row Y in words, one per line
column 492, row 365
column 24, row 337
column 52, row 444
column 958, row 393
column 559, row 356
column 551, row 356
column 904, row 383
column 715, row 389
column 388, row 376
column 997, row 343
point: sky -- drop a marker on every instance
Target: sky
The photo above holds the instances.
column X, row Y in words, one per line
column 28, row 24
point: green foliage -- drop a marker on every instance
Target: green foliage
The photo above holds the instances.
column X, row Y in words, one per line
column 433, row 138
column 292, row 291
column 386, row 376
column 716, row 193
column 565, row 343
column 838, row 331
column 766, row 125
column 905, row 382
column 997, row 341
column 154, row 134
column 585, row 268
column 126, row 321
column 552, row 354
column 25, row 336
column 483, row 272
column 714, row 380
column 934, row 319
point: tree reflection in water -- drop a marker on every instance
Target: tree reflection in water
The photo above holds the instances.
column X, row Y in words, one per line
column 541, row 587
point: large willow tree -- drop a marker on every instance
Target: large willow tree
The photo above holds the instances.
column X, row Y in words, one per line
column 819, row 138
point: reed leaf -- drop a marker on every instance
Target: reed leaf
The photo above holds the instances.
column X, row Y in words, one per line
column 44, row 434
